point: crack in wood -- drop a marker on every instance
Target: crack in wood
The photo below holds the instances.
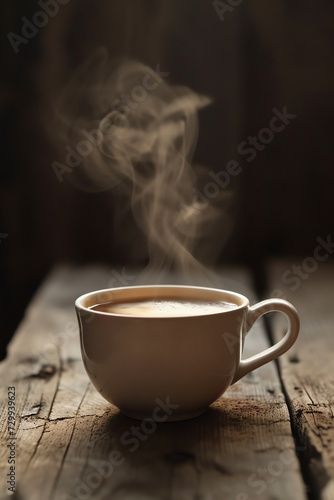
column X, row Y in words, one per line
column 308, row 394
column 45, row 372
column 31, row 428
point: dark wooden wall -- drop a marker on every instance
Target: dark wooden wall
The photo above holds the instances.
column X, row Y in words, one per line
column 262, row 55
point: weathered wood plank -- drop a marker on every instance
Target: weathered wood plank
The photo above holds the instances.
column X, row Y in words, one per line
column 72, row 444
column 307, row 371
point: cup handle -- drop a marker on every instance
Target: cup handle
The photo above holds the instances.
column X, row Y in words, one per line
column 254, row 313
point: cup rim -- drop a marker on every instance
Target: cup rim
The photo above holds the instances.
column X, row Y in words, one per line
column 243, row 301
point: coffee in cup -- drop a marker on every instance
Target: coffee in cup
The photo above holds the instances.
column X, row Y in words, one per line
column 164, row 307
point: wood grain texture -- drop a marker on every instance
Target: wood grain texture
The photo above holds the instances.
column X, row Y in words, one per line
column 307, row 371
column 72, row 444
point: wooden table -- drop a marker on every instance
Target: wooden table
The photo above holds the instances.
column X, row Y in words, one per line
column 271, row 436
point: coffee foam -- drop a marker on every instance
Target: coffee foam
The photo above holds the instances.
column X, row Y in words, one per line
column 164, row 308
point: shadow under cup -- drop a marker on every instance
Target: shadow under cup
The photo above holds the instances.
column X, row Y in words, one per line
column 163, row 368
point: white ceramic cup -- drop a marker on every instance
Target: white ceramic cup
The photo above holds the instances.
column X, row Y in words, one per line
column 172, row 368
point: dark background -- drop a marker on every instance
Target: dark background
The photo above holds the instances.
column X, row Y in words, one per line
column 262, row 55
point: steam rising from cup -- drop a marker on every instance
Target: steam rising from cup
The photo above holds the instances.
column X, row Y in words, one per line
column 135, row 135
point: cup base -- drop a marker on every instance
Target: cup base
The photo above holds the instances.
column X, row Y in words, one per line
column 171, row 418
